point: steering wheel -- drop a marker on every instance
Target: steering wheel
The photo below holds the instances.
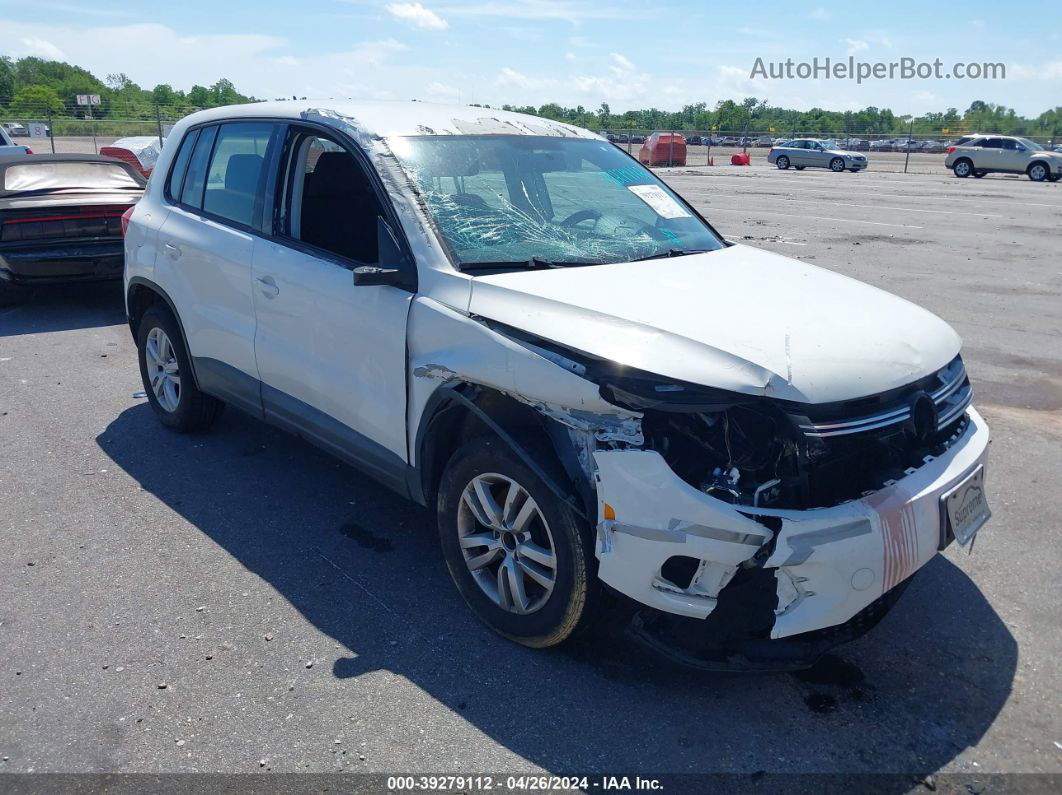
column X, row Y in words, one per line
column 581, row 215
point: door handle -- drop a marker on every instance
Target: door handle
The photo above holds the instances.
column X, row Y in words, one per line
column 268, row 286
column 172, row 250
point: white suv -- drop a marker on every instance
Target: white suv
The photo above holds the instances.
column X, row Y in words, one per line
column 510, row 320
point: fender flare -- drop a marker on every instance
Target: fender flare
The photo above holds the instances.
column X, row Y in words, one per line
column 451, row 395
column 140, row 281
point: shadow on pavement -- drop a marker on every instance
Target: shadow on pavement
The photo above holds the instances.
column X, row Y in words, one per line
column 363, row 566
column 62, row 308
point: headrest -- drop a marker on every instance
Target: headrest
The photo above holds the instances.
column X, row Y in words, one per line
column 241, row 173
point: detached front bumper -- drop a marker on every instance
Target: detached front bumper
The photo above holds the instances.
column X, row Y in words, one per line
column 828, row 564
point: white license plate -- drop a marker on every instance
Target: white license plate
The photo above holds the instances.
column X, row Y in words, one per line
column 967, row 506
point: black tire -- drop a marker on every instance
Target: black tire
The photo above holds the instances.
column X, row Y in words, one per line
column 782, row 162
column 799, row 168
column 963, row 167
column 854, row 170
column 1038, row 171
column 195, row 411
column 837, row 165
column 979, row 174
column 1054, row 177
column 571, row 605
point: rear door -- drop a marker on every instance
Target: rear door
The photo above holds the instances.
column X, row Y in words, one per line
column 332, row 355
column 206, row 247
column 991, row 154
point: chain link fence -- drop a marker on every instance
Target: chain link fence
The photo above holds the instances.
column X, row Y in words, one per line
column 85, row 129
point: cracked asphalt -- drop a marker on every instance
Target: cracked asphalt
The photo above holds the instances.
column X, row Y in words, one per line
column 238, row 601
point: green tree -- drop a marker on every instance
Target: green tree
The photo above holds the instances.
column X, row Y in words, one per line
column 35, row 102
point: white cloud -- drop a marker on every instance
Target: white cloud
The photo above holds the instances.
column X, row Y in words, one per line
column 566, row 10
column 570, row 56
column 264, row 66
column 820, row 14
column 512, row 78
column 417, row 15
column 440, row 92
column 1051, row 70
column 978, row 23
column 33, row 45
column 855, row 45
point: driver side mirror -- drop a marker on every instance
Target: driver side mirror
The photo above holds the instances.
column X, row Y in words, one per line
column 395, row 269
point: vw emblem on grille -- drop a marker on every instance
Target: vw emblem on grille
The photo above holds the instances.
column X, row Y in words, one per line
column 923, row 416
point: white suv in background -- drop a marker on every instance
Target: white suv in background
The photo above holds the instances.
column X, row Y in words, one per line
column 512, row 321
column 987, row 154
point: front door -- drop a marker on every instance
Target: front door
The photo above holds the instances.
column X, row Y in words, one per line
column 332, row 355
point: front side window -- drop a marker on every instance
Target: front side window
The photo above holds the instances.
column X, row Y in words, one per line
column 330, row 203
column 526, row 201
column 235, row 172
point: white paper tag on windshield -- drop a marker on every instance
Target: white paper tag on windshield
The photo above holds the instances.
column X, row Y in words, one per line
column 655, row 197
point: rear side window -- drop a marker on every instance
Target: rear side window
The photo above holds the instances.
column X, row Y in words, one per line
column 993, row 143
column 235, row 172
column 192, row 190
column 180, row 165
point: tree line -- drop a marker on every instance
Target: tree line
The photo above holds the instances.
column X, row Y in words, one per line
column 757, row 115
column 32, row 88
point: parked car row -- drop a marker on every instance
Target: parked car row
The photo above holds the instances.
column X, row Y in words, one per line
column 9, row 147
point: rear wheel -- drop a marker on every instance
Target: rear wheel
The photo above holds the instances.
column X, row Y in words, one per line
column 1038, row 172
column 837, row 164
column 167, row 375
column 782, row 162
column 520, row 557
column 962, row 168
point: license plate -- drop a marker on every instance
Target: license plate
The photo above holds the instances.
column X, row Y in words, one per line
column 967, row 506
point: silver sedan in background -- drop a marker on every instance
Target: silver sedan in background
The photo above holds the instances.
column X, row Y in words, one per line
column 803, row 152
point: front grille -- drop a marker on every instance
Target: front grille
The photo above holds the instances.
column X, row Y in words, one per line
column 949, row 389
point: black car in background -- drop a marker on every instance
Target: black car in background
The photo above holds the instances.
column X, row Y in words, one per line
column 61, row 219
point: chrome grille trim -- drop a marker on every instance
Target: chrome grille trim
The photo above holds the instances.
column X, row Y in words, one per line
column 952, row 399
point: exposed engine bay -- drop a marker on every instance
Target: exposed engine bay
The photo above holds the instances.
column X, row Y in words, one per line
column 766, row 453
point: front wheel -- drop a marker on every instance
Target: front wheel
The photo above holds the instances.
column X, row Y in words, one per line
column 782, row 162
column 962, row 168
column 520, row 557
column 1038, row 172
column 167, row 375
column 837, row 165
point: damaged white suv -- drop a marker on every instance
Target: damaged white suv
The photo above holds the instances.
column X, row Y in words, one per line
column 512, row 321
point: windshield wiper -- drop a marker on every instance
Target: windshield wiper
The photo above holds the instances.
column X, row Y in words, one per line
column 672, row 252
column 535, row 263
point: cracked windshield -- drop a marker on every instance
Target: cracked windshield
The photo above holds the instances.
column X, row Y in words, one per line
column 515, row 201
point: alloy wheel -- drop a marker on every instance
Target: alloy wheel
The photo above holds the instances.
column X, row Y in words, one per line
column 506, row 543
column 163, row 373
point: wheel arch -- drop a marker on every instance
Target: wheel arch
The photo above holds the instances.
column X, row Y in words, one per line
column 141, row 295
column 460, row 411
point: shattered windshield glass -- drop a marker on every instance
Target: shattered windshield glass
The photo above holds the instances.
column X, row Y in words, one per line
column 526, row 201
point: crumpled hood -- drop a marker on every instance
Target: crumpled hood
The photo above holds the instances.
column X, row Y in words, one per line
column 741, row 319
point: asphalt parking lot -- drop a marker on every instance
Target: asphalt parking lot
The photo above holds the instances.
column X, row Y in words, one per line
column 238, row 601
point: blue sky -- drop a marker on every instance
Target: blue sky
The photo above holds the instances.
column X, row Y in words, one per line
column 629, row 54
